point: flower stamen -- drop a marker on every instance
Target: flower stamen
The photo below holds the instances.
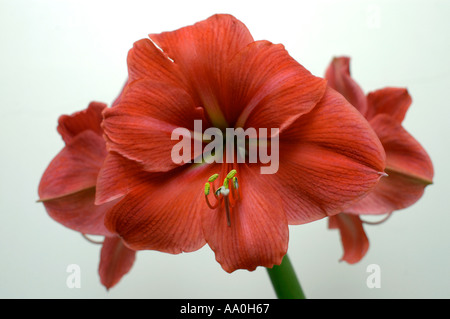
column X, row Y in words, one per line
column 377, row 222
column 227, row 194
column 207, row 191
column 91, row 240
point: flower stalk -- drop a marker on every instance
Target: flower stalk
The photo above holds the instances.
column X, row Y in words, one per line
column 285, row 281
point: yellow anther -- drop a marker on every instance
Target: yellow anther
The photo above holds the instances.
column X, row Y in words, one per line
column 231, row 174
column 224, row 196
column 213, row 178
column 225, row 182
column 207, row 188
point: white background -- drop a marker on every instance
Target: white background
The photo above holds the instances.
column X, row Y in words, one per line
column 57, row 56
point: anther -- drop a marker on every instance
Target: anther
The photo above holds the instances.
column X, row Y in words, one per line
column 231, row 174
column 225, row 182
column 226, row 195
column 207, row 188
column 213, row 178
column 235, row 183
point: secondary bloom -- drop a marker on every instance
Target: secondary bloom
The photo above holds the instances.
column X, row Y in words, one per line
column 215, row 72
column 67, row 189
column 408, row 165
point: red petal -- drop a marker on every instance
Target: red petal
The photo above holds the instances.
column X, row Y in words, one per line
column 403, row 153
column 116, row 260
column 267, row 88
column 78, row 212
column 394, row 192
column 70, row 126
column 329, row 158
column 67, row 187
column 202, row 51
column 408, row 165
column 140, row 126
column 75, row 168
column 353, row 237
column 338, row 76
column 213, row 41
column 117, row 176
column 163, row 213
column 119, row 96
column 145, row 60
column 391, row 101
column 258, row 234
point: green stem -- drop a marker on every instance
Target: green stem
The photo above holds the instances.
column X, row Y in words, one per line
column 284, row 281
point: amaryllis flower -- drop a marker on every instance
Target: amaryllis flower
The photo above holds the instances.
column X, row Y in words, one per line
column 216, row 73
column 67, row 189
column 408, row 166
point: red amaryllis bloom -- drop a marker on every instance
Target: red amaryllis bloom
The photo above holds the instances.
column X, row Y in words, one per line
column 213, row 71
column 408, row 166
column 67, row 189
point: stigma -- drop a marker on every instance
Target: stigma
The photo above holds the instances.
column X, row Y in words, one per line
column 225, row 196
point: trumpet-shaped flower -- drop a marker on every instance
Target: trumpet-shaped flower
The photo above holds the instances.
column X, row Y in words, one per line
column 67, row 189
column 408, row 165
column 216, row 73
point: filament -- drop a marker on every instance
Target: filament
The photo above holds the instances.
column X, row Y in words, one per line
column 227, row 195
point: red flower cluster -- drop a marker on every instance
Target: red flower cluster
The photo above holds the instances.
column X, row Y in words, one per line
column 115, row 176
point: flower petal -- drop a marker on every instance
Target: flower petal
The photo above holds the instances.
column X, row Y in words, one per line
column 391, row 101
column 393, row 192
column 117, row 177
column 145, row 60
column 67, row 187
column 202, row 51
column 338, row 76
column 211, row 42
column 75, row 168
column 140, row 126
column 70, row 126
column 408, row 166
column 403, row 153
column 267, row 88
column 258, row 234
column 78, row 212
column 116, row 260
column 353, row 237
column 163, row 213
column 329, row 158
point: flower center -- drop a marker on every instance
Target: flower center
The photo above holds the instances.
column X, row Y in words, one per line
column 225, row 196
